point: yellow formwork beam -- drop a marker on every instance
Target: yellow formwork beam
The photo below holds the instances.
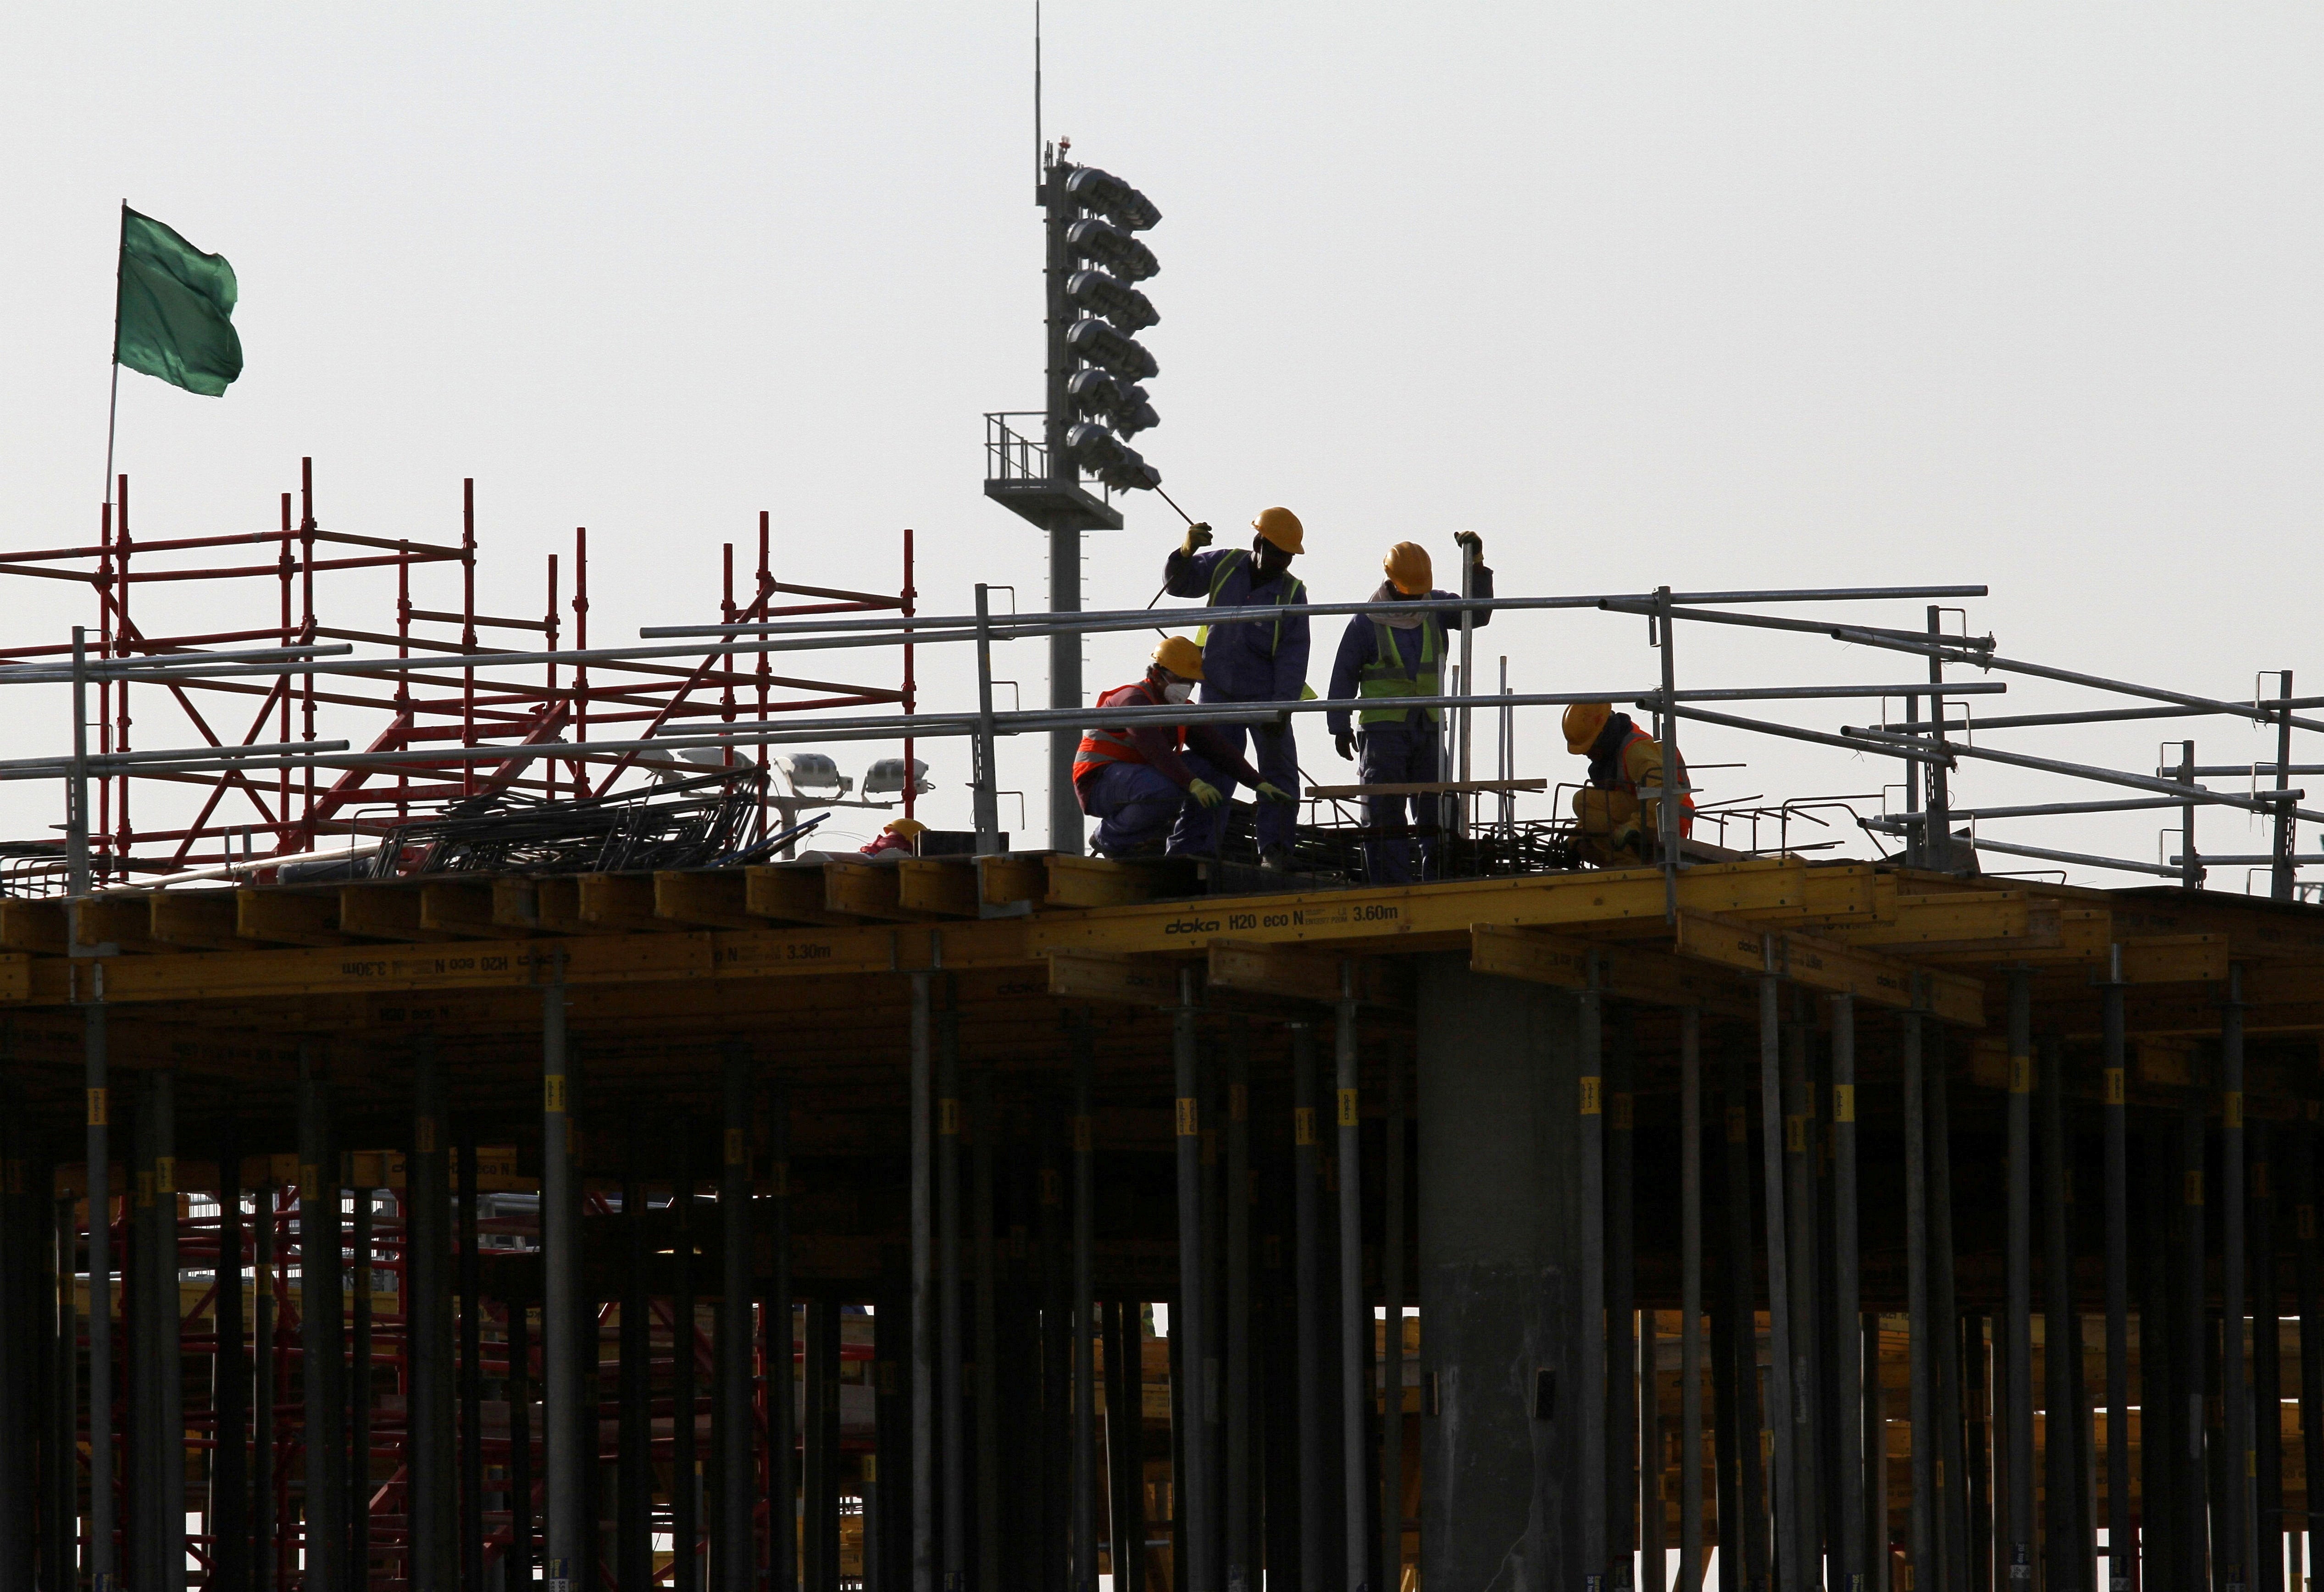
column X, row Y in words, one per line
column 1630, row 972
column 1827, row 964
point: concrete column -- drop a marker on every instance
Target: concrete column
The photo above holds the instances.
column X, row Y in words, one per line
column 1504, row 1436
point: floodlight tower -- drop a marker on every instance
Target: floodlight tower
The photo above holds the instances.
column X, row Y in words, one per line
column 1094, row 401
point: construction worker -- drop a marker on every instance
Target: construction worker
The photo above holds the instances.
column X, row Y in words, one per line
column 900, row 835
column 1140, row 781
column 1616, row 825
column 1248, row 662
column 1385, row 656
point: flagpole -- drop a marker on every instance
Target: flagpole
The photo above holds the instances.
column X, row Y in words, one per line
column 112, row 404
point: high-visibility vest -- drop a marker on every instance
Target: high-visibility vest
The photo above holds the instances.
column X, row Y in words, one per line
column 1384, row 676
column 1102, row 746
column 1623, row 782
column 1291, row 592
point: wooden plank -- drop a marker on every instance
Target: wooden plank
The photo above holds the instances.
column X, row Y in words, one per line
column 788, row 892
column 1980, row 918
column 620, row 901
column 458, row 906
column 1826, row 964
column 862, row 891
column 1394, row 916
column 1097, row 882
column 288, row 917
column 199, row 920
column 1132, row 980
column 939, row 887
column 516, row 904
column 124, row 921
column 383, row 912
column 1292, row 974
column 714, row 899
column 558, row 899
column 36, row 927
column 2176, row 958
column 1010, row 879
column 1426, row 787
column 1656, row 978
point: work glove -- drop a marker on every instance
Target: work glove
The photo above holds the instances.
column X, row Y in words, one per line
column 1198, row 534
column 1205, row 792
column 1346, row 742
column 1471, row 543
column 1276, row 793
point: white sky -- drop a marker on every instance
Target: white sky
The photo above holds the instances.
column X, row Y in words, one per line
column 1712, row 296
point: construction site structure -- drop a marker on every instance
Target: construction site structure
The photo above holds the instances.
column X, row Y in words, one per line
column 1015, row 1218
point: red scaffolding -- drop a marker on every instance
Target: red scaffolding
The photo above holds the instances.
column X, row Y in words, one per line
column 272, row 599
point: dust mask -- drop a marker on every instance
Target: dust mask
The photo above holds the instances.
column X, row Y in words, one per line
column 1177, row 691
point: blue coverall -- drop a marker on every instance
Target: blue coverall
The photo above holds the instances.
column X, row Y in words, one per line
column 1401, row 751
column 1246, row 662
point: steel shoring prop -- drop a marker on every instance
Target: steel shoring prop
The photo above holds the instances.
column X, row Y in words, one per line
column 1847, row 1326
column 2122, row 1549
column 1921, row 1522
column 1790, row 1555
column 2017, row 1329
column 734, row 1560
column 1690, row 1447
column 1187, row 1331
column 1591, row 1347
column 2234, row 1546
column 1307, row 1220
column 1355, row 1307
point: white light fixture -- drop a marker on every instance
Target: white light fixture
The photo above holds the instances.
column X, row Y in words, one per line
column 886, row 778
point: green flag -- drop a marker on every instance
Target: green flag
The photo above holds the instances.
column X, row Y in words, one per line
column 173, row 318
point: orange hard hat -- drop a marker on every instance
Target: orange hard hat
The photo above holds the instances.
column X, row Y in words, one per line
column 909, row 828
column 1281, row 527
column 1408, row 569
column 1181, row 657
column 1583, row 721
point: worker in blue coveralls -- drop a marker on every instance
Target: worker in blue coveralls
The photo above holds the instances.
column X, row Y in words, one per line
column 1389, row 655
column 1249, row 662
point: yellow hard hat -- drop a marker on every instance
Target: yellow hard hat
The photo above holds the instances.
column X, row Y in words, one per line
column 1583, row 720
column 1181, row 657
column 1281, row 527
column 909, row 828
column 1408, row 569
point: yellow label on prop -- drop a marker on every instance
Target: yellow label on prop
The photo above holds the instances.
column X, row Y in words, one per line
column 1739, row 1126
column 1795, row 1135
column 2304, row 1220
column 2021, row 1074
column 165, row 1175
column 1190, row 1117
column 948, row 1116
column 735, row 1153
column 145, row 1186
column 2115, row 1094
column 1620, row 1119
column 1052, row 1187
column 2231, row 1109
column 1348, row 1114
column 1590, row 1104
column 1238, row 1102
column 310, row 1180
column 552, row 1094
column 871, row 1464
column 2192, row 1192
column 1303, row 1125
column 782, row 1179
column 1767, row 1444
column 97, row 1104
column 423, row 1137
column 1081, row 1136
column 1843, row 1102
column 2251, row 1463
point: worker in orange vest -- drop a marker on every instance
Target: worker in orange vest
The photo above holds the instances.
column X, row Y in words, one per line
column 1138, row 780
column 1618, row 825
